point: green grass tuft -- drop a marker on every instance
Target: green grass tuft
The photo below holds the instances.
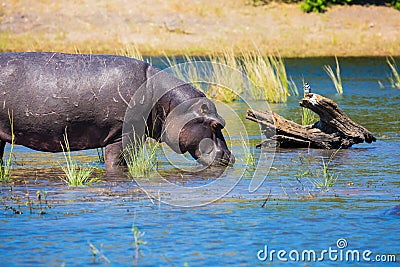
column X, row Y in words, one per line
column 308, row 117
column 186, row 71
column 137, row 240
column 326, row 176
column 248, row 157
column 75, row 175
column 268, row 75
column 336, row 79
column 220, row 80
column 6, row 168
column 141, row 156
column 322, row 177
column 226, row 81
column 395, row 79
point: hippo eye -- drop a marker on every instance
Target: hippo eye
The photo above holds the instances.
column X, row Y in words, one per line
column 204, row 109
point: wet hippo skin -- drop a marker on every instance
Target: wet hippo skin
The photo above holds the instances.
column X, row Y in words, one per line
column 87, row 97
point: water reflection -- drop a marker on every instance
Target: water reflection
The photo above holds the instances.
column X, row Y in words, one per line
column 55, row 228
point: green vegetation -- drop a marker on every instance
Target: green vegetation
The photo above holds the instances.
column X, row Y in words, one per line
column 226, row 80
column 308, row 117
column 248, row 157
column 304, row 169
column 187, row 71
column 6, row 168
column 75, row 175
column 141, row 156
column 43, row 204
column 268, row 75
column 326, row 176
column 395, row 79
column 40, row 203
column 336, row 79
column 320, row 5
column 220, row 80
column 322, row 177
column 293, row 88
column 396, row 4
column 137, row 241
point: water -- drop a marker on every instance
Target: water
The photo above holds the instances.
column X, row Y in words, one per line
column 360, row 207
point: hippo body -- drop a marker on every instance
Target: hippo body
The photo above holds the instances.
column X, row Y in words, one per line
column 48, row 95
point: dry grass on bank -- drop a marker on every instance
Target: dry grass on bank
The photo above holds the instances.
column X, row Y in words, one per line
column 173, row 27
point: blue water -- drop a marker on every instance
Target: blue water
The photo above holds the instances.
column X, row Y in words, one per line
column 360, row 207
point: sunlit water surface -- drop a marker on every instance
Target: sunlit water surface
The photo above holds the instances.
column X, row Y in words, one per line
column 57, row 230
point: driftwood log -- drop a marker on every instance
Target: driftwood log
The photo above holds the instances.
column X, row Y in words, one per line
column 333, row 130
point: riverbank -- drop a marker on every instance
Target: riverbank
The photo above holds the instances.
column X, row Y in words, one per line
column 173, row 27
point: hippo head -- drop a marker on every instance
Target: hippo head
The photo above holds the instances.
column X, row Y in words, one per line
column 194, row 126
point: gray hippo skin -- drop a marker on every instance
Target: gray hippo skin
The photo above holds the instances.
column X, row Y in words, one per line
column 87, row 97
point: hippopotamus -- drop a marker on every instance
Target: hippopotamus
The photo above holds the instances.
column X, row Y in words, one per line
column 88, row 98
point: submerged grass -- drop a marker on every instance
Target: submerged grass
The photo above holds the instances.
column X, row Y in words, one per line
column 322, row 177
column 395, row 79
column 268, row 75
column 6, row 168
column 249, row 158
column 75, row 175
column 141, row 156
column 96, row 252
column 137, row 241
column 336, row 78
column 327, row 176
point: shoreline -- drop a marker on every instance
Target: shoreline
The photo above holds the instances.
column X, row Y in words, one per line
column 198, row 28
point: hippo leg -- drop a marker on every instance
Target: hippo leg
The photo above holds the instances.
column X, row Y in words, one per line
column 2, row 145
column 113, row 156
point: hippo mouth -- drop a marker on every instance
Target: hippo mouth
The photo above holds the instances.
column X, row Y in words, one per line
column 208, row 160
column 209, row 153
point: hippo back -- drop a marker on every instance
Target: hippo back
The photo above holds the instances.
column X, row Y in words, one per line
column 47, row 94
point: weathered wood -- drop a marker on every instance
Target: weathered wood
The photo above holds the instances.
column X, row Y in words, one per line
column 333, row 130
